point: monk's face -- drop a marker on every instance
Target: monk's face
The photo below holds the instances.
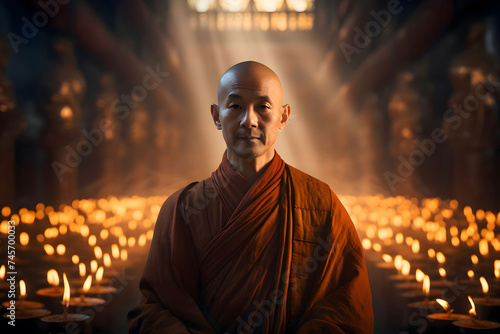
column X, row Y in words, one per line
column 250, row 111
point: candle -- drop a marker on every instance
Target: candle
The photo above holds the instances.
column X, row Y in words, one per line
column 448, row 315
column 65, row 316
column 475, row 324
column 55, row 290
column 83, row 300
column 22, row 303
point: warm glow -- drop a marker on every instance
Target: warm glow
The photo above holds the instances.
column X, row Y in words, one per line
column 87, row 284
column 426, row 286
column 99, row 274
column 497, row 273
column 106, row 259
column 415, row 246
column 48, row 249
column 419, row 275
column 61, row 249
column 399, row 238
column 405, row 269
column 131, row 242
column 387, row 258
column 444, row 304
column 442, row 272
column 431, row 252
column 24, row 238
column 124, row 255
column 472, row 311
column 496, row 264
column 484, row 284
column 115, row 251
column 483, row 247
column 92, row 240
column 93, row 266
column 66, row 294
column 22, row 288
column 377, row 247
column 52, row 277
column 474, row 259
column 2, row 271
column 75, row 259
column 470, row 273
column 98, row 252
column 440, row 257
column 82, row 269
column 66, row 112
column 142, row 240
column 6, row 211
column 398, row 262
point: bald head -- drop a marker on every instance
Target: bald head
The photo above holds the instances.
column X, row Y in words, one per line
column 249, row 73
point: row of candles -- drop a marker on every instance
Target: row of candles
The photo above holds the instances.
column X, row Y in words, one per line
column 89, row 237
column 432, row 236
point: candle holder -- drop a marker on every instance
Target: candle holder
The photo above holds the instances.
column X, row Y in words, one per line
column 65, row 316
column 28, row 314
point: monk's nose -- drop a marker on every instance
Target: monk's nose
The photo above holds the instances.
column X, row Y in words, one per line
column 250, row 118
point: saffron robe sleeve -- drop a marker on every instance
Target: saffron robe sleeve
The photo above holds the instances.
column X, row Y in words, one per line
column 329, row 286
column 169, row 278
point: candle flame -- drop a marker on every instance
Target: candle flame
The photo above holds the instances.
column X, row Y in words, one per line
column 405, row 269
column 87, row 284
column 443, row 303
column 387, row 258
column 431, row 252
column 426, row 286
column 52, row 277
column 2, row 271
column 93, row 266
column 61, row 249
column 442, row 272
column 497, row 273
column 75, row 259
column 106, row 259
column 419, row 275
column 497, row 264
column 115, row 251
column 440, row 257
column 484, row 284
column 99, row 274
column 474, row 259
column 81, row 269
column 66, row 294
column 124, row 255
column 472, row 311
column 415, row 246
column 98, row 252
column 22, row 288
column 483, row 247
column 24, row 238
column 470, row 273
column 48, row 249
column 398, row 262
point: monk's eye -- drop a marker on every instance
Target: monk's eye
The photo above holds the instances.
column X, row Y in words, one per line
column 234, row 106
column 265, row 107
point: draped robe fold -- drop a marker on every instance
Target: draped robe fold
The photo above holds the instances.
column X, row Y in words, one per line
column 280, row 255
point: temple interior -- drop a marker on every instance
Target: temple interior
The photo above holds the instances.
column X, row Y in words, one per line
column 105, row 112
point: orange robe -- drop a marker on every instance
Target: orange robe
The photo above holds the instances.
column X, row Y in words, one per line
column 280, row 255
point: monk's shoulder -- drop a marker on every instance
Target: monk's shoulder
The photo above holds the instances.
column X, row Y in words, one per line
column 181, row 199
column 309, row 192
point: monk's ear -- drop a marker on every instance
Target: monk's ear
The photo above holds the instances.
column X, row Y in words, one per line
column 214, row 110
column 285, row 115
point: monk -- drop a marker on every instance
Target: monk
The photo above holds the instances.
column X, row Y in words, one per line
column 259, row 247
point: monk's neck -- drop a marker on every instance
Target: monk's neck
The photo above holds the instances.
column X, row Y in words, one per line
column 250, row 169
